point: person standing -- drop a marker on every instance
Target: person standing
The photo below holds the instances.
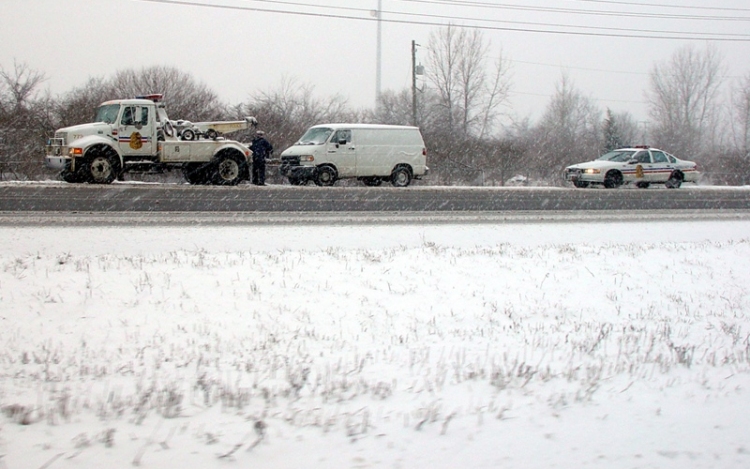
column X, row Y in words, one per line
column 262, row 150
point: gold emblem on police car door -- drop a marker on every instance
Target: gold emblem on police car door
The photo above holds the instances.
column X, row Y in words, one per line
column 135, row 141
column 639, row 171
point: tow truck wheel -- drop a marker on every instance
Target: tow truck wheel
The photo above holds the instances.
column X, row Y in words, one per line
column 188, row 134
column 101, row 166
column 73, row 177
column 326, row 176
column 230, row 169
column 212, row 134
column 195, row 173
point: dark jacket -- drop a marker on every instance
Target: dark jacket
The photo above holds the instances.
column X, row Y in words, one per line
column 261, row 149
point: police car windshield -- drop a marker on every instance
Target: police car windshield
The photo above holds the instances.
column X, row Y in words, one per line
column 619, row 156
column 107, row 113
column 315, row 136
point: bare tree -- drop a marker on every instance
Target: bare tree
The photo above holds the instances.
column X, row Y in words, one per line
column 457, row 68
column 185, row 97
column 684, row 100
column 569, row 131
column 741, row 116
column 24, row 121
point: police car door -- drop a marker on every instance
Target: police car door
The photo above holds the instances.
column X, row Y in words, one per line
column 662, row 168
column 643, row 167
column 134, row 131
column 342, row 152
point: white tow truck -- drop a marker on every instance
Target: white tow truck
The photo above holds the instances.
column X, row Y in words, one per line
column 136, row 135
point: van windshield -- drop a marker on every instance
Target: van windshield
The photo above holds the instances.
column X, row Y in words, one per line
column 315, row 136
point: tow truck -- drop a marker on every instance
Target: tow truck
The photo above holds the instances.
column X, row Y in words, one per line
column 136, row 135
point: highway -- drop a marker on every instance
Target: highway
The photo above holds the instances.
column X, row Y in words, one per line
column 154, row 202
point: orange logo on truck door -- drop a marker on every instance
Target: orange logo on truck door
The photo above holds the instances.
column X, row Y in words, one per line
column 135, row 141
column 638, row 171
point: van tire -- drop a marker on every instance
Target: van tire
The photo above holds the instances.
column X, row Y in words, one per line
column 326, row 176
column 401, row 176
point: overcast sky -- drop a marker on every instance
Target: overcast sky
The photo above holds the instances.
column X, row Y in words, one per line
column 241, row 47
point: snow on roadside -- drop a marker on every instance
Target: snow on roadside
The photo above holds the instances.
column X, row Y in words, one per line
column 518, row 345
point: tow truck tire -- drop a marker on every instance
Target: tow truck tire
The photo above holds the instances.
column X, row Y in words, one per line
column 196, row 173
column 613, row 180
column 212, row 134
column 326, row 176
column 401, row 176
column 73, row 177
column 230, row 169
column 188, row 134
column 101, row 165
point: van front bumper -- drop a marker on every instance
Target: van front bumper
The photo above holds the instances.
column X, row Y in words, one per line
column 301, row 173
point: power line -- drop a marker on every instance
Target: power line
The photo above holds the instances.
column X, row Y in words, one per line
column 578, row 11
column 704, row 37
column 661, row 5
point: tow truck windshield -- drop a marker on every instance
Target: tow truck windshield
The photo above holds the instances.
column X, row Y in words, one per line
column 107, row 113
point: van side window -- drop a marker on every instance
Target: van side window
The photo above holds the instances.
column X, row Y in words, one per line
column 342, row 136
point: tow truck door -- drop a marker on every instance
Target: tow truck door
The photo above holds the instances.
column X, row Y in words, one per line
column 135, row 130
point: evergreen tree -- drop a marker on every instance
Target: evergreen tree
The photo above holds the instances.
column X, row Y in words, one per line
column 612, row 134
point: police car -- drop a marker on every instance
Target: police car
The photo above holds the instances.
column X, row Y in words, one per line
column 639, row 165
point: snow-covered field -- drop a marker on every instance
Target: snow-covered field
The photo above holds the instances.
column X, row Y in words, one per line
column 513, row 345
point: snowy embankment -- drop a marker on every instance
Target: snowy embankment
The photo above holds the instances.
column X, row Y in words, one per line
column 494, row 345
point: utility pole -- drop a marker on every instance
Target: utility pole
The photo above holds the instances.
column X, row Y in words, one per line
column 414, row 83
column 378, row 76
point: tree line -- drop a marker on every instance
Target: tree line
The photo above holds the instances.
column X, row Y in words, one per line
column 462, row 108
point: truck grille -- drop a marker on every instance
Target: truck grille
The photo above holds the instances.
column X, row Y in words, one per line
column 290, row 160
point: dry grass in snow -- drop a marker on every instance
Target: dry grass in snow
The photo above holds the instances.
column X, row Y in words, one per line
column 423, row 354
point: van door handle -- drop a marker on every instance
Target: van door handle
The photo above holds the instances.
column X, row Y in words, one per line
column 352, row 148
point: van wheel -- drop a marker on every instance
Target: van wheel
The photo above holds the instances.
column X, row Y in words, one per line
column 326, row 176
column 401, row 177
column 372, row 182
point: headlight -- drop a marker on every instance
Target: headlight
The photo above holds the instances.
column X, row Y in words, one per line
column 592, row 171
column 306, row 159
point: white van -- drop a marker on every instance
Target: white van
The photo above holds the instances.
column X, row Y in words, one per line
column 370, row 153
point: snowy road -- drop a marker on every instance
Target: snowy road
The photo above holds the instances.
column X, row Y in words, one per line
column 159, row 198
